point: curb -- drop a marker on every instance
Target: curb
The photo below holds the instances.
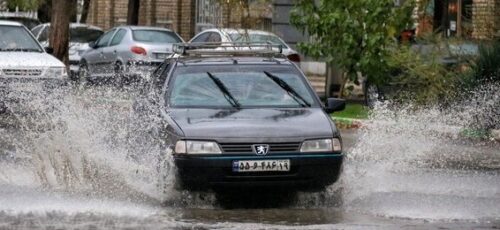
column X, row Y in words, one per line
column 348, row 123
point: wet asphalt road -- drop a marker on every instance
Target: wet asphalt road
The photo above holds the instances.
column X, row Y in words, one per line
column 80, row 178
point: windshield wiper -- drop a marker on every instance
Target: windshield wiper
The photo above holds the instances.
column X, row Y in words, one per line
column 229, row 97
column 21, row 50
column 296, row 96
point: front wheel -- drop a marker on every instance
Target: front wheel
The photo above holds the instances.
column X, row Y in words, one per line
column 83, row 74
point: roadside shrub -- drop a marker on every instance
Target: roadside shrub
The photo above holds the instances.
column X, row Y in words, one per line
column 486, row 69
column 421, row 80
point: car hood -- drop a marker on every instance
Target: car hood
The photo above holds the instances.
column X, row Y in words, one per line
column 253, row 123
column 28, row 60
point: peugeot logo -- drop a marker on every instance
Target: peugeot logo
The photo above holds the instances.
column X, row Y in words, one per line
column 261, row 149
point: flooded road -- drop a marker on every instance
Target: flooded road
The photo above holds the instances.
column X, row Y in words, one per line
column 85, row 163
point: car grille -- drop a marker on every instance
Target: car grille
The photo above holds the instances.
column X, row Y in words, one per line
column 22, row 72
column 247, row 147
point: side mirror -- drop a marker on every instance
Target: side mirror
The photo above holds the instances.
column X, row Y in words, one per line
column 334, row 104
column 49, row 50
column 92, row 45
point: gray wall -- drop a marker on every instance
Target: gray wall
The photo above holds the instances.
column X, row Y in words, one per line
column 281, row 23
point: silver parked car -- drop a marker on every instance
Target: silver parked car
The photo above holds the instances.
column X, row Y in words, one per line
column 25, row 67
column 242, row 35
column 127, row 51
column 80, row 35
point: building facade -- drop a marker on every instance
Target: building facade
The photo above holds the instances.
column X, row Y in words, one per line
column 470, row 19
column 186, row 17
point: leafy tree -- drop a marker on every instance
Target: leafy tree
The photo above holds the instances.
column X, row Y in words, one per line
column 24, row 4
column 356, row 35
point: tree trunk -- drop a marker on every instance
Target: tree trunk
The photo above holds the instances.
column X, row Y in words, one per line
column 133, row 12
column 85, row 11
column 59, row 29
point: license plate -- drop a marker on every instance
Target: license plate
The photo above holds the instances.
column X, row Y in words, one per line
column 161, row 56
column 262, row 166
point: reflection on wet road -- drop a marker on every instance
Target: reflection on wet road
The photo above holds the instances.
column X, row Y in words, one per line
column 75, row 168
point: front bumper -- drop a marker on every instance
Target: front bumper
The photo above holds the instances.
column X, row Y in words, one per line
column 306, row 171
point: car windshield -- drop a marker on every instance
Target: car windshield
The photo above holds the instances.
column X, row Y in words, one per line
column 155, row 36
column 84, row 34
column 17, row 38
column 239, row 86
column 256, row 38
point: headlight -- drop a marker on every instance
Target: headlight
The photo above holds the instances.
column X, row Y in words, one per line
column 321, row 145
column 55, row 72
column 197, row 147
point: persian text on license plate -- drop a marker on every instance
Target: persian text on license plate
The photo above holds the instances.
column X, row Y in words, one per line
column 262, row 166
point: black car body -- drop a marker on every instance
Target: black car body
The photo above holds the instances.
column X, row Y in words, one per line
column 242, row 135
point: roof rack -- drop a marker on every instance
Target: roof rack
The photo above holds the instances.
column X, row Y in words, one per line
column 228, row 49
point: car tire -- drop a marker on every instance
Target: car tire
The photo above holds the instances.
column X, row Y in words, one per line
column 372, row 95
column 119, row 78
column 83, row 74
column 3, row 107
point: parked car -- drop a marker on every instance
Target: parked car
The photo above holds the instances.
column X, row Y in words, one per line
column 25, row 18
column 239, row 119
column 245, row 36
column 127, row 51
column 24, row 65
column 80, row 35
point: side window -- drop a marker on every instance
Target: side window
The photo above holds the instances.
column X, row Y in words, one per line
column 214, row 37
column 201, row 38
column 104, row 40
column 44, row 35
column 117, row 39
column 35, row 31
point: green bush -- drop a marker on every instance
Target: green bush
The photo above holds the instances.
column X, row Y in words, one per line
column 487, row 67
column 420, row 79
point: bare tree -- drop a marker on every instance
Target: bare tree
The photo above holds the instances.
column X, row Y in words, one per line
column 59, row 28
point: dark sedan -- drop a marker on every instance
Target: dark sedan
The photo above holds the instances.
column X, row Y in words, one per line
column 247, row 121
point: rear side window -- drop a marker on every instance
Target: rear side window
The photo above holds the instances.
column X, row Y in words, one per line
column 155, row 36
column 36, row 30
column 84, row 34
column 44, row 35
column 117, row 39
column 201, row 38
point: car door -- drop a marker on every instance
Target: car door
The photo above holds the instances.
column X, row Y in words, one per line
column 95, row 57
column 111, row 52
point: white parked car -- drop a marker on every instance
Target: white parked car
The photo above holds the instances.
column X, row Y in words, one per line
column 80, row 35
column 242, row 35
column 25, row 65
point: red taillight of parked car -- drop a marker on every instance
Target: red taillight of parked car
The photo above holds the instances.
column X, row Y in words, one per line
column 138, row 50
column 294, row 57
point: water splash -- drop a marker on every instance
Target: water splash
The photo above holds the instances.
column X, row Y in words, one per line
column 416, row 163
